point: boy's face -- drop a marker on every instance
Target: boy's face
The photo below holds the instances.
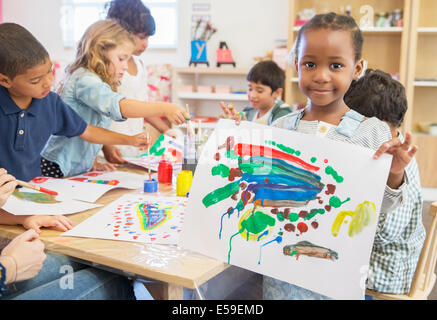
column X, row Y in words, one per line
column 326, row 65
column 118, row 58
column 34, row 83
column 141, row 43
column 261, row 96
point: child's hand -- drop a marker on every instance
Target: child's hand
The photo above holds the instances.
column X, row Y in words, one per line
column 231, row 113
column 141, row 140
column 27, row 251
column 58, row 222
column 7, row 186
column 175, row 114
column 402, row 154
column 97, row 166
column 171, row 133
column 113, row 154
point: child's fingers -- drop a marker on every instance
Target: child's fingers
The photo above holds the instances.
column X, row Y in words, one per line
column 385, row 147
column 225, row 109
column 6, row 178
column 413, row 151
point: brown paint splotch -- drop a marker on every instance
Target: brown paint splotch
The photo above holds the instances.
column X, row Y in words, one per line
column 330, row 189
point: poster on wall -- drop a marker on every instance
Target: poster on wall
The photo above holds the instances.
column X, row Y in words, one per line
column 296, row 207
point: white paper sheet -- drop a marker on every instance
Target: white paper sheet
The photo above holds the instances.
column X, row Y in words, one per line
column 137, row 218
column 26, row 206
column 322, row 241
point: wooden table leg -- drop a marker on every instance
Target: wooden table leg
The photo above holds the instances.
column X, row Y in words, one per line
column 165, row 291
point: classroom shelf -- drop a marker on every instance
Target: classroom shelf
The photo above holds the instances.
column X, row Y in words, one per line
column 427, row 30
column 425, row 84
column 376, row 30
column 213, row 96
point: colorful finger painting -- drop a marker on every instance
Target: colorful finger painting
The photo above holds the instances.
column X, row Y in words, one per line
column 26, row 201
column 137, row 218
column 262, row 195
column 166, row 148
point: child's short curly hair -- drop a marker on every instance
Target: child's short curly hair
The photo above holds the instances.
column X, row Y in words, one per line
column 133, row 15
column 377, row 94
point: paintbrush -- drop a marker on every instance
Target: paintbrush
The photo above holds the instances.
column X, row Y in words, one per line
column 190, row 130
column 148, row 156
column 40, row 189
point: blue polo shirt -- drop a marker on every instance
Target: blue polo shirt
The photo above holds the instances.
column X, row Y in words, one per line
column 24, row 133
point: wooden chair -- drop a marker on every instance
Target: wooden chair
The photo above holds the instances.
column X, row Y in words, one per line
column 424, row 277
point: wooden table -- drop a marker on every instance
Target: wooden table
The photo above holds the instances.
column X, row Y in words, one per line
column 173, row 268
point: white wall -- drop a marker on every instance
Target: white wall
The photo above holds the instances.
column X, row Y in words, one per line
column 250, row 28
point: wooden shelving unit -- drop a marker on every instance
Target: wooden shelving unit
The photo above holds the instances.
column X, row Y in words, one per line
column 422, row 95
column 207, row 104
column 384, row 48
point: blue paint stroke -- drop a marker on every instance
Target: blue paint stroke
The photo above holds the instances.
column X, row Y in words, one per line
column 278, row 239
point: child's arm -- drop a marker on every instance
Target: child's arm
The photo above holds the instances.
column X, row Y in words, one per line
column 58, row 222
column 138, row 109
column 99, row 135
column 402, row 155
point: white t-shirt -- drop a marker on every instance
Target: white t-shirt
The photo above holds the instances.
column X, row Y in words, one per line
column 133, row 87
column 264, row 119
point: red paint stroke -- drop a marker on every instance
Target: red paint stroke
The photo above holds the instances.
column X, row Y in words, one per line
column 135, row 237
column 229, row 144
column 217, row 156
column 302, row 227
column 40, row 179
column 325, row 161
column 92, row 174
column 79, row 179
column 243, row 149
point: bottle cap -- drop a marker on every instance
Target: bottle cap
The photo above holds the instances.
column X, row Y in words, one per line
column 150, row 186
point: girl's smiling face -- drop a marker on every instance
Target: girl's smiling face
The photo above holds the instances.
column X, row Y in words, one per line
column 326, row 65
column 118, row 58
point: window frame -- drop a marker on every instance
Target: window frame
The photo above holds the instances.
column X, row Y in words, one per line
column 68, row 24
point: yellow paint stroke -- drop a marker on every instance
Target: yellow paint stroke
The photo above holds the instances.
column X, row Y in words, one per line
column 364, row 215
column 35, row 197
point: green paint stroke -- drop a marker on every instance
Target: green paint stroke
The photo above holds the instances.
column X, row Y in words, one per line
column 329, row 170
column 156, row 148
column 220, row 194
column 280, row 216
column 313, row 159
column 220, row 170
column 283, row 148
column 293, row 217
column 313, row 212
column 257, row 222
column 336, row 202
column 230, row 243
column 230, row 154
column 35, row 197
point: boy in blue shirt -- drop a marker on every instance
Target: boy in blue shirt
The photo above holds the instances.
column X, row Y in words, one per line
column 265, row 87
column 30, row 113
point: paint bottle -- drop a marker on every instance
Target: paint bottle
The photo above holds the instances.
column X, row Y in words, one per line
column 165, row 171
column 150, row 186
column 183, row 183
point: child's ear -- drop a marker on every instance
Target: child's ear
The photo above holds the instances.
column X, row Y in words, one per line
column 5, row 81
column 359, row 67
column 277, row 93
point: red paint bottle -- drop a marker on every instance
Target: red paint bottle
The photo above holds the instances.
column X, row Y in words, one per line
column 165, row 172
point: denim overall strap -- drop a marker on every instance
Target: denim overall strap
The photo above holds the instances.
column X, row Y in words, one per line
column 349, row 123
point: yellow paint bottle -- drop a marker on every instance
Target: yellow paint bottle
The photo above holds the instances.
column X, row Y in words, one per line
column 183, row 183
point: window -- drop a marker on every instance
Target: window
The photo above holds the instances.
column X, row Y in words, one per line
column 78, row 15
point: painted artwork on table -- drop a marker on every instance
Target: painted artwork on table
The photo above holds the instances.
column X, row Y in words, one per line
column 116, row 179
column 166, row 148
column 26, row 201
column 296, row 207
column 137, row 218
